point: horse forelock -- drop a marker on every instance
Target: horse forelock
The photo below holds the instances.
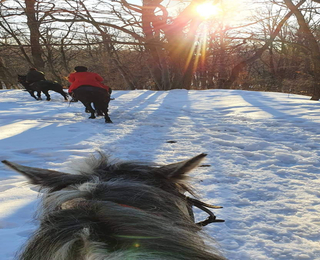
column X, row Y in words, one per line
column 133, row 193
column 150, row 174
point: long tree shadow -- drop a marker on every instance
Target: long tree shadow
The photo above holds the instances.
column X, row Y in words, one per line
column 118, row 93
column 263, row 102
column 147, row 122
column 230, row 168
column 34, row 150
column 138, row 103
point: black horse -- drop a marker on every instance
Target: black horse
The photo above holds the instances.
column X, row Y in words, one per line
column 98, row 96
column 116, row 211
column 42, row 85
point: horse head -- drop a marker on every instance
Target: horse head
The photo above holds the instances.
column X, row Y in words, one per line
column 115, row 211
column 22, row 78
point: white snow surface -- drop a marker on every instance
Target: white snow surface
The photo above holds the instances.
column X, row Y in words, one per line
column 263, row 157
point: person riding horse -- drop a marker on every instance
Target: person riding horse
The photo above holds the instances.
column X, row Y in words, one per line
column 84, row 78
column 88, row 88
column 35, row 81
column 34, row 75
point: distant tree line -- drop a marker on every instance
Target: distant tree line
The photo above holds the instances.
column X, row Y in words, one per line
column 162, row 46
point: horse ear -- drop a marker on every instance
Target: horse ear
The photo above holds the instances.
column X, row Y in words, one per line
column 175, row 170
column 46, row 178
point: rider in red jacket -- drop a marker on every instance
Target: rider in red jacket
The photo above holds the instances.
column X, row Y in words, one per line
column 84, row 78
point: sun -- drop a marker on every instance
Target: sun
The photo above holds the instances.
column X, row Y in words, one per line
column 206, row 10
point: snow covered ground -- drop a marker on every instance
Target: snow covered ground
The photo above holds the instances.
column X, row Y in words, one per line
column 263, row 151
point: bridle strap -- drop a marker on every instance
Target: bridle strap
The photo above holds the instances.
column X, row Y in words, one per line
column 200, row 205
column 203, row 206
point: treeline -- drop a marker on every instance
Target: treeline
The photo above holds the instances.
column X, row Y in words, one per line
column 161, row 46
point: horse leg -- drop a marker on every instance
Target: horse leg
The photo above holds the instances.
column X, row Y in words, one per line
column 107, row 119
column 106, row 115
column 39, row 95
column 31, row 92
column 106, row 110
column 46, row 92
column 102, row 106
column 64, row 94
column 89, row 108
column 55, row 86
column 99, row 112
column 92, row 111
column 105, row 107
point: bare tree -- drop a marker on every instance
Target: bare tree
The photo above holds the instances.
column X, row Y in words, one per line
column 33, row 23
column 146, row 45
column 312, row 44
column 170, row 42
column 240, row 66
column 5, row 76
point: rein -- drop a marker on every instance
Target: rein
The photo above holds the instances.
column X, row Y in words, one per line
column 203, row 206
column 200, row 205
column 191, row 201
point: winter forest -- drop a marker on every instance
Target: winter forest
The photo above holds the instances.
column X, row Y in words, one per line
column 232, row 80
column 265, row 45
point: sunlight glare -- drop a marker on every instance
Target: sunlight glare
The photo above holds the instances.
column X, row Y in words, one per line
column 17, row 128
column 207, row 10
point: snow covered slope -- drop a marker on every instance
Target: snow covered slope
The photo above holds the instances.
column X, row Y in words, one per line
column 263, row 151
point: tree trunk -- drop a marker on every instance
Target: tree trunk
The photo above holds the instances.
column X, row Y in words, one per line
column 34, row 28
column 313, row 46
column 172, row 63
column 5, row 76
column 182, row 53
column 151, row 26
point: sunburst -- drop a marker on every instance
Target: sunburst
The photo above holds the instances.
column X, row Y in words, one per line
column 208, row 9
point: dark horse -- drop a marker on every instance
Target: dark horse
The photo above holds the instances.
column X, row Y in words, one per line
column 98, row 96
column 127, row 211
column 42, row 85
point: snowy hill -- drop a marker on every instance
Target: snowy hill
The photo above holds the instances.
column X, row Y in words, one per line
column 263, row 151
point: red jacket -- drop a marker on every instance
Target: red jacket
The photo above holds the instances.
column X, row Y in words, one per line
column 78, row 79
